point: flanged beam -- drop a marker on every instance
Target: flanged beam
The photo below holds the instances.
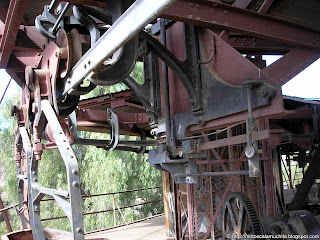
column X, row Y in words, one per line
column 14, row 18
column 211, row 14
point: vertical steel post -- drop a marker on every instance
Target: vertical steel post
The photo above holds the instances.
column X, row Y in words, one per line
column 165, row 85
column 114, row 211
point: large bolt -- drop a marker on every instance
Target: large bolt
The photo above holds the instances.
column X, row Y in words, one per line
column 192, row 102
column 75, row 184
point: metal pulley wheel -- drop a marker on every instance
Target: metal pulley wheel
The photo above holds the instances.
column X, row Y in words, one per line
column 302, row 222
column 266, row 223
column 71, row 52
column 239, row 216
column 280, row 228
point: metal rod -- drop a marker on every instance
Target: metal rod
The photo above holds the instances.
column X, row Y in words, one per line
column 4, row 93
column 5, row 216
column 56, row 24
column 103, row 194
column 103, row 211
column 165, row 83
column 125, row 28
column 114, row 211
column 102, row 143
column 7, row 208
column 307, row 182
column 212, row 174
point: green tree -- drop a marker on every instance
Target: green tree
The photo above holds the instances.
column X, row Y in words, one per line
column 7, row 163
column 101, row 172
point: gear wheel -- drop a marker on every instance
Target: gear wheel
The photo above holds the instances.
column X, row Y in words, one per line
column 239, row 216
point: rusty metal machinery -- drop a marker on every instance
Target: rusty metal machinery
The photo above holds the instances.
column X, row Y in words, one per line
column 209, row 105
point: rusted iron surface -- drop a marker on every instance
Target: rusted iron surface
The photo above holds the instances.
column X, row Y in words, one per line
column 13, row 20
column 5, row 216
column 205, row 13
column 197, row 114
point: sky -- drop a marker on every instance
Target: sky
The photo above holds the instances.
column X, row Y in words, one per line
column 304, row 85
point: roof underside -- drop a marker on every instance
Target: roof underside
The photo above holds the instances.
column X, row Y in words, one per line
column 305, row 12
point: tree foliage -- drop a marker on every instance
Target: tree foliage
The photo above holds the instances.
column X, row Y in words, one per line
column 100, row 171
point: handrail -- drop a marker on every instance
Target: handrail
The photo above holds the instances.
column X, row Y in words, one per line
column 103, row 211
column 106, row 194
column 8, row 208
column 3, row 210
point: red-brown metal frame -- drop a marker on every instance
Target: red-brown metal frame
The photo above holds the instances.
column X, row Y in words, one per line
column 226, row 26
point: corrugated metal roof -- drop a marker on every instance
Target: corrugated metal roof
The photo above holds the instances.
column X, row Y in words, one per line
column 34, row 9
column 305, row 12
column 291, row 103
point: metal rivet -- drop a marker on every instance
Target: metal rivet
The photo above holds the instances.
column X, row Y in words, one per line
column 35, row 179
column 37, row 208
column 78, row 230
column 74, row 171
column 33, row 172
column 75, row 184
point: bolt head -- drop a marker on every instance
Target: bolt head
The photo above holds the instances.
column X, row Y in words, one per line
column 249, row 151
column 75, row 184
column 256, row 172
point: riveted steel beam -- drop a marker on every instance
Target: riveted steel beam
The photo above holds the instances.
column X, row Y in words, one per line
column 13, row 20
column 211, row 14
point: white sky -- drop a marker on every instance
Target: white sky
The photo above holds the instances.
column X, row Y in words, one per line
column 304, row 85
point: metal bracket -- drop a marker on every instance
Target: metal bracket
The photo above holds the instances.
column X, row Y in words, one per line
column 180, row 168
column 89, row 23
column 48, row 23
column 72, row 208
column 114, row 129
column 251, row 150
